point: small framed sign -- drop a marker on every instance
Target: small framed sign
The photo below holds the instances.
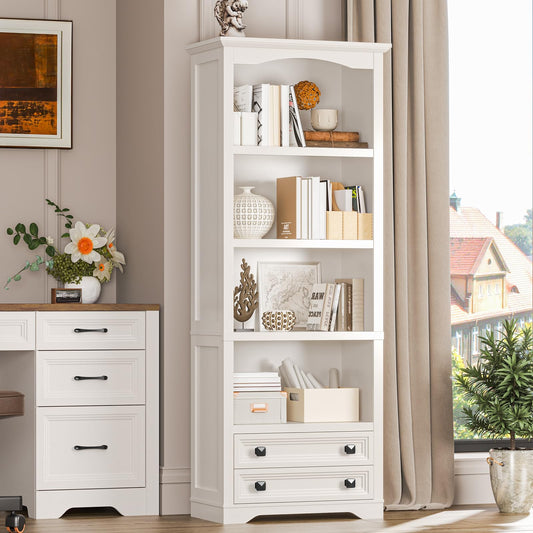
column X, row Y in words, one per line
column 66, row 296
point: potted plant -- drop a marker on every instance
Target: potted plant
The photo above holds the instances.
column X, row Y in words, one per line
column 499, row 391
column 87, row 261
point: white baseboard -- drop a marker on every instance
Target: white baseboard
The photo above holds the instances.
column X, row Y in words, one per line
column 175, row 490
column 472, row 480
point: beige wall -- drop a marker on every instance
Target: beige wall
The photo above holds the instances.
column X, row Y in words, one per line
column 83, row 178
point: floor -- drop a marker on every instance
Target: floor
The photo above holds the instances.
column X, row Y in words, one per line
column 455, row 520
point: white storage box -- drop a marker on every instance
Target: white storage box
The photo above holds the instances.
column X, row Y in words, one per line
column 259, row 407
column 322, row 405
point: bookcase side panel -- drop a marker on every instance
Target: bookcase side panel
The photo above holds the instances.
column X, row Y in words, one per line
column 206, row 186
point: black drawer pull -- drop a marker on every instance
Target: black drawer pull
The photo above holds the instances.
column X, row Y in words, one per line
column 260, row 451
column 98, row 330
column 83, row 378
column 260, row 486
column 102, row 447
column 349, row 483
column 349, row 449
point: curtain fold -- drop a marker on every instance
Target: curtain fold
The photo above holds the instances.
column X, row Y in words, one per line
column 418, row 423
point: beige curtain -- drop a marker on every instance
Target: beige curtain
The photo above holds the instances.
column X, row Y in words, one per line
column 418, row 438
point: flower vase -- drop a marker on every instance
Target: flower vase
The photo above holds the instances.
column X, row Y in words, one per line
column 253, row 215
column 90, row 289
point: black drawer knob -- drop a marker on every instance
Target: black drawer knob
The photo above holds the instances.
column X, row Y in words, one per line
column 349, row 449
column 349, row 483
column 260, row 486
column 260, row 451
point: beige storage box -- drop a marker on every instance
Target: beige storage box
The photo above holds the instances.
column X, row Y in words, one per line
column 322, row 405
column 259, row 407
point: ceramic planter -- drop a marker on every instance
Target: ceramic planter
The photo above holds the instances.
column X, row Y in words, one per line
column 511, row 477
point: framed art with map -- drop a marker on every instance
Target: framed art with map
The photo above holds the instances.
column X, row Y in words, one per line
column 35, row 83
column 287, row 286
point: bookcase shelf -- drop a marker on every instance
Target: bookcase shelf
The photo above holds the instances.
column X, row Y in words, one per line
column 303, row 152
column 350, row 77
column 303, row 243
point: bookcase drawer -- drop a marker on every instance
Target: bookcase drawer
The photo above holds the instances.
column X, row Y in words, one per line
column 302, row 449
column 17, row 331
column 303, row 485
column 90, row 447
column 105, row 377
column 91, row 330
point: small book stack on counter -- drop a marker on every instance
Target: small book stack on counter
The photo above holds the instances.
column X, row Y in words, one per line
column 320, row 208
column 256, row 382
column 337, row 306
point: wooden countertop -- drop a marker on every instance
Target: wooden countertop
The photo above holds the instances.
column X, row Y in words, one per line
column 79, row 307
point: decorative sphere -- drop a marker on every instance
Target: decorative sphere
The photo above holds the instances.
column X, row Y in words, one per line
column 253, row 215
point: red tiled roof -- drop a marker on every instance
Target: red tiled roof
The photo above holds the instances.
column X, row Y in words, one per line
column 469, row 222
column 466, row 253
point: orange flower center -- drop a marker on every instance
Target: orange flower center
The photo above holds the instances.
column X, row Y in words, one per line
column 85, row 245
column 110, row 245
column 101, row 267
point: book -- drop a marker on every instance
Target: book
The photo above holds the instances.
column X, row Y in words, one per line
column 341, row 309
column 323, row 206
column 348, row 302
column 294, row 117
column 260, row 105
column 242, row 98
column 335, row 307
column 275, row 115
column 284, row 103
column 347, row 136
column 248, row 129
column 314, row 316
column 304, row 208
column 316, row 208
column 327, row 308
column 358, row 304
column 288, row 204
column 358, row 198
column 336, row 144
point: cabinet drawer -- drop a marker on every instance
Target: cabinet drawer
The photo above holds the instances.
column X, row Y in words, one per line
column 60, row 430
column 302, row 449
column 105, row 377
column 17, row 331
column 303, row 485
column 91, row 330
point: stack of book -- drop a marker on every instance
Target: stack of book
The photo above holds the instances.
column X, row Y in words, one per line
column 256, row 382
column 334, row 139
column 337, row 306
column 278, row 117
column 316, row 208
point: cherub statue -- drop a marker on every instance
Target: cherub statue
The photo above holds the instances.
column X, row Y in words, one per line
column 229, row 15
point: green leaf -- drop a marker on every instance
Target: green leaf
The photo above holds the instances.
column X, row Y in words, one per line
column 69, row 216
column 34, row 230
column 21, row 228
column 66, row 209
column 42, row 240
column 16, row 239
column 10, row 231
column 65, row 235
column 27, row 238
column 18, row 277
column 33, row 244
column 51, row 251
column 34, row 267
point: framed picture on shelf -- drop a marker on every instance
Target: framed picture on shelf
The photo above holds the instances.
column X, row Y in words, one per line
column 287, row 286
column 35, row 83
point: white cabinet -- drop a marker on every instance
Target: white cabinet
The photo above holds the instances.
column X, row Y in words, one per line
column 306, row 469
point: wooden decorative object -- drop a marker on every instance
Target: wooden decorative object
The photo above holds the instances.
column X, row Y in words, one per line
column 245, row 295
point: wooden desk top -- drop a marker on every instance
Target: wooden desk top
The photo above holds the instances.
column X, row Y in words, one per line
column 79, row 307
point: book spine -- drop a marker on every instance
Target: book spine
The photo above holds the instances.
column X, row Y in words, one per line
column 341, row 312
column 315, row 207
column 327, row 308
column 298, row 130
column 248, row 129
column 335, row 307
column 304, row 206
column 285, row 116
column 358, row 304
column 288, row 200
column 260, row 104
column 316, row 306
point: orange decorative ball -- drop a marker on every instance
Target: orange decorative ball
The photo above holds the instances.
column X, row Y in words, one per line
column 307, row 94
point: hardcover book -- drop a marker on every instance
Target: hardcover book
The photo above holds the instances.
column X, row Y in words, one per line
column 316, row 305
column 288, row 202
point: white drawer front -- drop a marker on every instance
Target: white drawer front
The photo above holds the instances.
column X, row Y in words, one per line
column 61, row 429
column 303, row 485
column 105, row 377
column 302, row 449
column 91, row 330
column 17, row 330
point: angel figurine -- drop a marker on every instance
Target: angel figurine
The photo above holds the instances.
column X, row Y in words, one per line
column 229, row 15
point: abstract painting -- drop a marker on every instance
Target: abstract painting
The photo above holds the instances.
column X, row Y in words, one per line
column 35, row 83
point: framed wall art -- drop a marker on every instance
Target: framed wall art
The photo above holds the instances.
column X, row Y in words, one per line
column 287, row 286
column 35, row 83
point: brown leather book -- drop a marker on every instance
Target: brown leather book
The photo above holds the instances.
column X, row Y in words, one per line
column 331, row 136
column 336, row 144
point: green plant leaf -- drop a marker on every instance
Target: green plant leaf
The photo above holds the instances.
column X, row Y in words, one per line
column 16, row 239
column 42, row 240
column 34, row 267
column 10, row 231
column 65, row 235
column 18, row 277
column 27, row 238
column 21, row 228
column 51, row 251
column 34, row 230
column 33, row 244
column 69, row 216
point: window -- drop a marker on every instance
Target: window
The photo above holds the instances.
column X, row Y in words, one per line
column 490, row 91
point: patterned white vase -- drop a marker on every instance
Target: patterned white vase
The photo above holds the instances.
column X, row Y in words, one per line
column 253, row 215
column 90, row 289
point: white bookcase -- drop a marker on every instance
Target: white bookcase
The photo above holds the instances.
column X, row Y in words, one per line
column 306, row 465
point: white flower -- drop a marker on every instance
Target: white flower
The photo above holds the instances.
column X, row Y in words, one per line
column 103, row 271
column 117, row 258
column 84, row 242
column 49, row 240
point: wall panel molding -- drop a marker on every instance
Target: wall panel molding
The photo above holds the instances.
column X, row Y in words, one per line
column 208, row 24
column 294, row 18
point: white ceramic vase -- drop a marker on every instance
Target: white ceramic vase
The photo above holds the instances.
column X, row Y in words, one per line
column 90, row 289
column 253, row 215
